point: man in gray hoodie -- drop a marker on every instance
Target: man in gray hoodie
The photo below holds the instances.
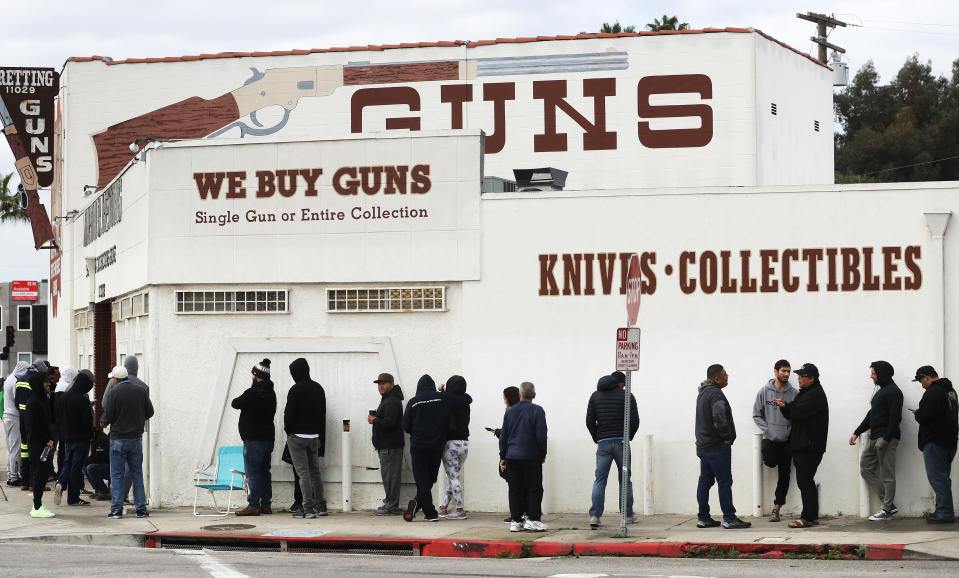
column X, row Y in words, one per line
column 776, row 429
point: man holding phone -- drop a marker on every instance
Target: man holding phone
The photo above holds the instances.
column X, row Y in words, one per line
column 388, row 440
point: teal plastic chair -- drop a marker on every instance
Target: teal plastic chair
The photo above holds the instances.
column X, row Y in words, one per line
column 229, row 476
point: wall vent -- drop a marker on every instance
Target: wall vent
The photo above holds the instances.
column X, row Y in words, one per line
column 772, row 108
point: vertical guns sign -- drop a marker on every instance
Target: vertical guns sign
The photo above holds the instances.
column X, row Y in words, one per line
column 27, row 115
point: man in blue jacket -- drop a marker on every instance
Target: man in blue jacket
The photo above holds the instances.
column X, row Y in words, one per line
column 604, row 420
column 522, row 451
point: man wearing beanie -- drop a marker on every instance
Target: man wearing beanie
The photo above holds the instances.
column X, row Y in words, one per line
column 878, row 463
column 257, row 407
column 938, row 417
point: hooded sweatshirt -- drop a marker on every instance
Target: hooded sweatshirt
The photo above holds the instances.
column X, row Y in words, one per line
column 10, row 410
column 604, row 411
column 388, row 423
column 885, row 411
column 459, row 426
column 305, row 411
column 38, row 412
column 938, row 415
column 767, row 415
column 133, row 367
column 714, row 417
column 77, row 414
column 257, row 407
column 809, row 414
column 127, row 412
column 427, row 415
column 67, row 375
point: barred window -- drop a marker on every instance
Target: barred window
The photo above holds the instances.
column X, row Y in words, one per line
column 259, row 301
column 82, row 319
column 386, row 300
column 130, row 306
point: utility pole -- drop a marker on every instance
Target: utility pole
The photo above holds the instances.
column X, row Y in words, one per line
column 822, row 23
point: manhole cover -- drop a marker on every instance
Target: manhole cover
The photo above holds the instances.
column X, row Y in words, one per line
column 227, row 527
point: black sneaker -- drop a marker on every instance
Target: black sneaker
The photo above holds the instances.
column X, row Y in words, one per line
column 410, row 510
column 934, row 519
column 508, row 520
column 321, row 510
column 707, row 523
column 115, row 515
column 299, row 514
column 296, row 507
column 15, row 483
column 737, row 524
column 79, row 502
column 143, row 514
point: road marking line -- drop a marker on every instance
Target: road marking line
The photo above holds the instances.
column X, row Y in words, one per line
column 207, row 562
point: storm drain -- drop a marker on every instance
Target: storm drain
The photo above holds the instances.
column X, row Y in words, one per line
column 275, row 544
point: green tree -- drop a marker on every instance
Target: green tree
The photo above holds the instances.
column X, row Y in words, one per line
column 667, row 23
column 907, row 130
column 615, row 28
column 9, row 203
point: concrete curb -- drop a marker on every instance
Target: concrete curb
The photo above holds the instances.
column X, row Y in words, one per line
column 530, row 548
column 133, row 539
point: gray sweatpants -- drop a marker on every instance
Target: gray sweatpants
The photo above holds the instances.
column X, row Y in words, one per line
column 306, row 462
column 878, row 468
column 391, row 468
column 11, row 427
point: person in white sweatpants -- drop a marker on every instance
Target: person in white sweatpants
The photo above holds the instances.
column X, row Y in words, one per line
column 457, row 446
column 11, row 424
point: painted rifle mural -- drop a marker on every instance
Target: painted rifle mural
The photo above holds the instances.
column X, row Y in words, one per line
column 197, row 117
column 26, row 113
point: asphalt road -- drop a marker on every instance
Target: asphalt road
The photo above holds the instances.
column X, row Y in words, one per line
column 29, row 559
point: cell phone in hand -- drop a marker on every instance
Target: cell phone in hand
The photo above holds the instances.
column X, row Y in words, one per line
column 489, row 429
column 373, row 412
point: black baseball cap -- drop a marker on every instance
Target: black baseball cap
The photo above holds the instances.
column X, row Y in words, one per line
column 807, row 370
column 925, row 371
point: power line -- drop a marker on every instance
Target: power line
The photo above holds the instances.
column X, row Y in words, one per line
column 907, row 166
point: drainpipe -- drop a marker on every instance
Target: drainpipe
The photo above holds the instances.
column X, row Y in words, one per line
column 937, row 221
column 347, row 461
column 758, row 474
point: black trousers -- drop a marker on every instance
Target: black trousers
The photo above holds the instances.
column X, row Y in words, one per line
column 40, row 471
column 807, row 462
column 525, row 479
column 777, row 455
column 425, row 462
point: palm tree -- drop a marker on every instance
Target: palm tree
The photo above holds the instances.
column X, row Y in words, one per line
column 9, row 204
column 667, row 23
column 616, row 28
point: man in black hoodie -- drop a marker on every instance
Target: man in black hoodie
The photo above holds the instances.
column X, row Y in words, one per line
column 808, row 414
column 304, row 421
column 604, row 420
column 456, row 447
column 388, row 441
column 878, row 463
column 40, row 438
column 257, row 407
column 76, row 431
column 426, row 419
column 938, row 417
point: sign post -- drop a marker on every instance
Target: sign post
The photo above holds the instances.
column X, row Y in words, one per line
column 627, row 361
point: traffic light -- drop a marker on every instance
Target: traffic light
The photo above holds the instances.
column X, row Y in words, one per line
column 11, row 337
column 5, row 354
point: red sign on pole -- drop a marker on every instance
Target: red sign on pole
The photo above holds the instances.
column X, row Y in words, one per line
column 633, row 283
column 23, row 291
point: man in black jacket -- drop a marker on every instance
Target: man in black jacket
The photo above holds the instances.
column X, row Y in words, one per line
column 604, row 420
column 257, row 407
column 809, row 415
column 126, row 414
column 938, row 417
column 715, row 434
column 878, row 463
column 304, row 421
column 388, row 441
column 41, row 437
column 76, row 431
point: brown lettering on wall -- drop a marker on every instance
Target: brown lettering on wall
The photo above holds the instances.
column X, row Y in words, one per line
column 870, row 282
column 913, row 253
column 850, row 268
column 832, row 284
column 265, row 186
column 588, row 265
column 421, row 180
column 208, row 184
column 286, row 182
column 456, row 95
column 498, row 93
column 235, row 189
column 686, row 285
column 675, row 84
column 729, row 284
column 396, row 180
column 571, row 273
column 396, row 95
column 812, row 256
column 311, row 176
column 708, row 272
column 646, row 262
column 553, row 95
column 607, row 265
column 623, row 271
column 767, row 257
column 790, row 282
column 345, row 187
column 370, row 179
column 547, row 279
column 891, row 281
column 748, row 283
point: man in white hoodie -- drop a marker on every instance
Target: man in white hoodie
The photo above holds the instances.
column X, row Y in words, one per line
column 776, row 428
column 11, row 424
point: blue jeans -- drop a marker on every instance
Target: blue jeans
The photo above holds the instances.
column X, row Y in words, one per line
column 607, row 452
column 715, row 466
column 126, row 455
column 71, row 471
column 96, row 474
column 256, row 462
column 938, row 462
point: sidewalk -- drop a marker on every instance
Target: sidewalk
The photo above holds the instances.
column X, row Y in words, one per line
column 483, row 534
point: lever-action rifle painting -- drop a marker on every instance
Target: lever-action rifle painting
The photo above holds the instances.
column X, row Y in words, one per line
column 196, row 117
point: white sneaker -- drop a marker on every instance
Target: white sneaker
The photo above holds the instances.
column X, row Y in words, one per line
column 516, row 526
column 881, row 515
column 535, row 526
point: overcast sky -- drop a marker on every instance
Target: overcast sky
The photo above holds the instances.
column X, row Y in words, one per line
column 47, row 32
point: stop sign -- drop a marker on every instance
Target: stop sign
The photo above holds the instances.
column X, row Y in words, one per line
column 633, row 282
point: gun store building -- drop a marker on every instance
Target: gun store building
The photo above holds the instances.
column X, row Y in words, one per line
column 470, row 208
